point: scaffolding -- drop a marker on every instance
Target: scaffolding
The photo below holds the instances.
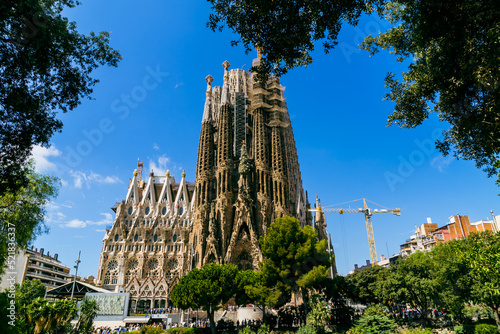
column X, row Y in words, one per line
column 240, row 121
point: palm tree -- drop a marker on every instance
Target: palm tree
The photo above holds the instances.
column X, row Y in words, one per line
column 88, row 311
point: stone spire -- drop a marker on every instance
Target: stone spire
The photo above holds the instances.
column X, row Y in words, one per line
column 225, row 87
column 207, row 113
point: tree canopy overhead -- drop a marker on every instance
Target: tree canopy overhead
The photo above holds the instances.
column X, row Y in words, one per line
column 45, row 66
column 452, row 47
column 454, row 51
column 22, row 212
column 286, row 30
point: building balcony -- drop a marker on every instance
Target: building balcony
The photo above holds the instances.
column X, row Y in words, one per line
column 43, row 259
column 50, row 270
column 428, row 241
column 45, row 277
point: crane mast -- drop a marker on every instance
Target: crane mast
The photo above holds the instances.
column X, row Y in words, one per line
column 368, row 221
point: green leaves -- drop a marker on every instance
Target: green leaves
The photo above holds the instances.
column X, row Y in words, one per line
column 268, row 25
column 209, row 287
column 453, row 51
column 45, row 66
column 367, row 285
column 22, row 211
column 294, row 258
column 206, row 288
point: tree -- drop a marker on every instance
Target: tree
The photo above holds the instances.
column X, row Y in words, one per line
column 366, row 285
column 482, row 256
column 452, row 48
column 412, row 282
column 337, row 292
column 22, row 213
column 320, row 314
column 88, row 311
column 45, row 66
column 269, row 25
column 453, row 51
column 294, row 260
column 454, row 277
column 375, row 320
column 28, row 291
column 258, row 293
column 48, row 317
column 207, row 288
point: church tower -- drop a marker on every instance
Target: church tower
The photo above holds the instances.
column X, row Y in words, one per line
column 247, row 172
column 247, row 175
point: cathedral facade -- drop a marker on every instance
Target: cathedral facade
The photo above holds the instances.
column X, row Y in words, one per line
column 247, row 172
column 247, row 175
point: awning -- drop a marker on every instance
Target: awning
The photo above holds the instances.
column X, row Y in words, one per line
column 136, row 320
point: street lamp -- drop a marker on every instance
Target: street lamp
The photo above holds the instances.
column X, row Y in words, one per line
column 76, row 272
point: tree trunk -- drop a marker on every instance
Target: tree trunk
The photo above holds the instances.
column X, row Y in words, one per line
column 210, row 313
column 305, row 300
column 497, row 317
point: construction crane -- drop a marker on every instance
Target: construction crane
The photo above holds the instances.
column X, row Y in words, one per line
column 368, row 220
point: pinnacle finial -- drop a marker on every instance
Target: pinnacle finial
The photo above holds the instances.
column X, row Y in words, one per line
column 167, row 174
column 151, row 174
column 225, row 87
column 183, row 174
column 209, row 80
column 206, row 111
column 226, row 65
column 136, row 172
column 259, row 52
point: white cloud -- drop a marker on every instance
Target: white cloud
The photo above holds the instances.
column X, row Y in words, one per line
column 179, row 84
column 160, row 167
column 52, row 206
column 156, row 147
column 41, row 155
column 64, row 183
column 440, row 162
column 77, row 223
column 79, row 178
column 54, row 214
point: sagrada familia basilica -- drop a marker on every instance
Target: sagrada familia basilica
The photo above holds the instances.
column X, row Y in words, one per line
column 247, row 175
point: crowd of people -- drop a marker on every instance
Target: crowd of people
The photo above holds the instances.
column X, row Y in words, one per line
column 124, row 329
column 288, row 317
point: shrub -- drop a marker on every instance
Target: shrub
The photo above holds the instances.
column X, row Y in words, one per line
column 264, row 329
column 151, row 330
column 307, row 329
column 486, row 329
column 246, row 330
column 181, row 330
column 467, row 329
column 376, row 323
column 357, row 330
column 415, row 331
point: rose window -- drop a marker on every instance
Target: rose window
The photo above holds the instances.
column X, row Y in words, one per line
column 112, row 265
column 173, row 264
column 133, row 265
column 153, row 264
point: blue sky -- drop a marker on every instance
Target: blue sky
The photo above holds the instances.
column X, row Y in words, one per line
column 150, row 108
